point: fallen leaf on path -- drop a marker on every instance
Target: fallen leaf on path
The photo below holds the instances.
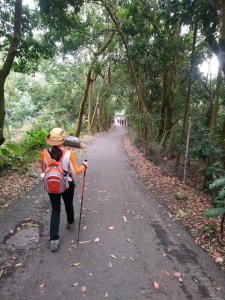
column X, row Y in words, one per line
column 41, row 285
column 219, row 260
column 177, row 274
column 18, row 265
column 96, row 240
column 113, row 256
column 75, row 284
column 75, row 264
column 111, row 227
column 85, row 242
column 218, row 288
column 125, row 219
column 166, row 273
column 156, row 285
column 83, row 288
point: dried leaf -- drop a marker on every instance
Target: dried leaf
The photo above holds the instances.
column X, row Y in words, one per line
column 218, row 288
column 177, row 274
column 75, row 284
column 41, row 285
column 18, row 265
column 156, row 285
column 113, row 256
column 166, row 273
column 85, row 242
column 83, row 288
column 219, row 260
column 75, row 264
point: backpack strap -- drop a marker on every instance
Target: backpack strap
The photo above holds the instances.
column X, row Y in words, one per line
column 48, row 152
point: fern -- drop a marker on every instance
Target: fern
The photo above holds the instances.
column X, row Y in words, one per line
column 217, row 183
column 214, row 212
column 218, row 189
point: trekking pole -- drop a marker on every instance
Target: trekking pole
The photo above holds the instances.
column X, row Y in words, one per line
column 81, row 205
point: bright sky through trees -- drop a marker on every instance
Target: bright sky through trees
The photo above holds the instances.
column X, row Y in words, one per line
column 210, row 66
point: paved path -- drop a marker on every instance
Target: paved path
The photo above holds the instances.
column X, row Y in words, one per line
column 136, row 245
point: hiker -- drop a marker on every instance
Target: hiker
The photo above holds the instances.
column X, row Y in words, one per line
column 67, row 160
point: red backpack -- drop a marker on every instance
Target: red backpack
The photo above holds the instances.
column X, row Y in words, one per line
column 55, row 178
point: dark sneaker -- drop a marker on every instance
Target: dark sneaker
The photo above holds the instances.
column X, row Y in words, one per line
column 54, row 245
column 71, row 226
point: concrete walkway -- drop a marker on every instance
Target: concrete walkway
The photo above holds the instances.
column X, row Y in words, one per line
column 130, row 248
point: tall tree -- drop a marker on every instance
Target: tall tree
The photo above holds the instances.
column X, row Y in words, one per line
column 8, row 62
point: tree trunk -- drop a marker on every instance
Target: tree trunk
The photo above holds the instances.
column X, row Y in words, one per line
column 213, row 120
column 90, row 108
column 166, row 109
column 7, row 65
column 89, row 80
column 82, row 104
column 188, row 96
column 2, row 110
column 130, row 62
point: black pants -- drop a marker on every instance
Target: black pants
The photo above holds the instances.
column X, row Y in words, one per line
column 56, row 209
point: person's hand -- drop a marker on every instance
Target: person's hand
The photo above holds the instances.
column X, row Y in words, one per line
column 85, row 164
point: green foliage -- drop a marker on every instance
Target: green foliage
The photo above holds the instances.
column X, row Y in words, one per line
column 19, row 156
column 218, row 193
column 35, row 140
column 214, row 212
column 10, row 154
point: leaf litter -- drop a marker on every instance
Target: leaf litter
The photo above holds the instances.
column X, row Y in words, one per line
column 163, row 186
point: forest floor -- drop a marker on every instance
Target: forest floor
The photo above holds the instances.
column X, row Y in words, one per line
column 188, row 213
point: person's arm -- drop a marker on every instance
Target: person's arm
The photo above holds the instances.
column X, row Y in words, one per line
column 42, row 161
column 73, row 167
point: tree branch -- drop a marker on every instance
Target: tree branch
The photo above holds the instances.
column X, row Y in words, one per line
column 15, row 40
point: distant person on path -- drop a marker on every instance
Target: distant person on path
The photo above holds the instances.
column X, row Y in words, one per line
column 60, row 153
